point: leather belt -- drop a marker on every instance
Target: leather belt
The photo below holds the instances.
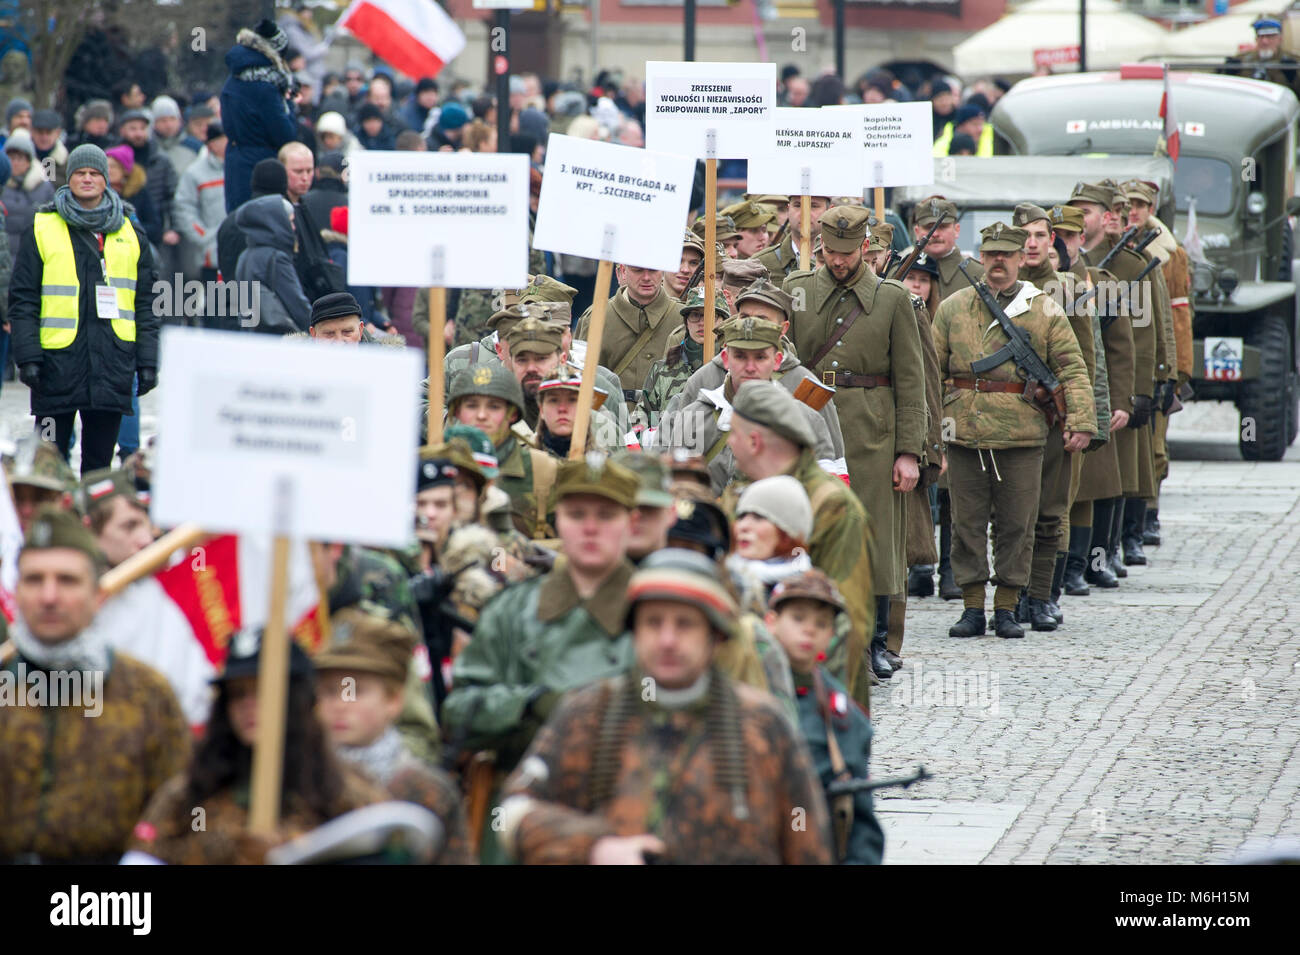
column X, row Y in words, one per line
column 843, row 379
column 983, row 384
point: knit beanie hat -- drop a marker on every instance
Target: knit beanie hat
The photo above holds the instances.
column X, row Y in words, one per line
column 269, row 178
column 165, row 106
column 781, row 500
column 16, row 105
column 88, row 156
column 273, row 35
column 124, row 154
column 20, row 141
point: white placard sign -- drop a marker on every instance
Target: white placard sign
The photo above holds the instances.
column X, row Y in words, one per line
column 898, row 142
column 685, row 100
column 827, row 143
column 403, row 206
column 255, row 423
column 603, row 201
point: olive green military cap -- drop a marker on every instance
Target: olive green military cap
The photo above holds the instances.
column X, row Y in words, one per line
column 695, row 302
column 1118, row 198
column 534, row 335
column 1094, row 192
column 692, row 241
column 364, row 643
column 750, row 332
column 596, row 475
column 560, row 313
column 38, row 463
column 749, row 215
column 504, row 320
column 764, row 290
column 1027, row 212
column 493, row 381
column 1139, row 190
column 724, row 228
column 925, row 212
column 882, row 236
column 543, row 288
column 844, row 228
column 1000, row 237
column 1066, row 218
column 103, row 484
column 776, row 202
column 739, row 273
column 653, row 474
column 54, row 527
column 568, row 377
column 768, row 404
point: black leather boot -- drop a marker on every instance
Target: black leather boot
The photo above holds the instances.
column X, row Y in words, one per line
column 1004, row 624
column 1022, row 607
column 1135, row 510
column 1151, row 528
column 1058, row 583
column 948, row 588
column 1097, row 563
column 1076, row 562
column 920, row 580
column 1040, row 615
column 971, row 624
column 879, row 664
column 1113, row 541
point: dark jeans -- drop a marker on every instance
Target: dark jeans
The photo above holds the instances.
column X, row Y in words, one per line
column 98, row 436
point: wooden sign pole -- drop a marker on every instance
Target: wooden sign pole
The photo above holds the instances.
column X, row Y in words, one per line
column 437, row 346
column 710, row 237
column 595, row 334
column 880, row 204
column 150, row 559
column 805, row 219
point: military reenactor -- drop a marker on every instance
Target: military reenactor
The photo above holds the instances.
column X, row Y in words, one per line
column 81, row 762
column 725, row 233
column 38, row 478
column 655, row 511
column 769, row 436
column 942, row 246
column 859, row 335
column 751, row 219
column 704, row 770
column 532, row 353
column 783, row 258
column 1267, row 61
column 315, row 787
column 880, row 237
column 557, row 403
column 638, row 321
column 116, row 513
column 738, row 275
column 692, row 259
column 837, row 730
column 780, row 206
column 360, row 685
column 683, row 358
column 1067, row 227
column 991, row 417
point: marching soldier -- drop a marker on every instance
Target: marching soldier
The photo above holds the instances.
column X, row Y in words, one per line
column 703, row 771
column 991, row 417
column 532, row 353
column 752, row 220
column 638, row 321
column 942, row 246
column 782, row 259
column 38, row 478
column 692, row 259
column 557, row 402
column 859, row 334
column 738, row 275
column 725, row 233
column 683, row 357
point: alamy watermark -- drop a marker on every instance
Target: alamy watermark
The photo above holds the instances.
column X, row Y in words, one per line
column 75, row 689
column 194, row 299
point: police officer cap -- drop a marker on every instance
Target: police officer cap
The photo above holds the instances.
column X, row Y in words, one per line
column 493, row 381
column 768, row 404
column 1000, row 237
column 1267, row 26
column 1027, row 212
column 844, row 228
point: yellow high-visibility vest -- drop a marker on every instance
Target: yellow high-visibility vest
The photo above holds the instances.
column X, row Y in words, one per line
column 984, row 147
column 61, row 288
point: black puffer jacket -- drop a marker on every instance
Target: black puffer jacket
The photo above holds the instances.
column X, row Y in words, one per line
column 96, row 371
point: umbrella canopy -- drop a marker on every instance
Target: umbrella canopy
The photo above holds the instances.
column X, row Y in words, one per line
column 1007, row 47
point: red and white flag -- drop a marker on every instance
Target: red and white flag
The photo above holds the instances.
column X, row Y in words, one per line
column 415, row 36
column 1171, row 124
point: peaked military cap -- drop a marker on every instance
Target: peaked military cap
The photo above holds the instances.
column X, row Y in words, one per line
column 776, row 202
column 925, row 212
column 543, row 288
column 1066, row 218
column 1137, row 189
column 741, row 272
column 1027, row 212
column 749, row 215
column 569, row 378
column 750, row 332
column 534, row 335
column 692, row 241
column 1000, row 237
column 764, row 290
column 694, row 302
column 596, row 475
column 1094, row 192
column 1267, row 26
column 768, row 404
column 724, row 228
column 844, row 228
column 493, row 381
column 882, row 237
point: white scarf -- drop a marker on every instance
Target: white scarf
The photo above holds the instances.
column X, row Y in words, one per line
column 378, row 760
column 87, row 651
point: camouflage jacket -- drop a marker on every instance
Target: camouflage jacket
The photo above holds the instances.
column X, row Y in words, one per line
column 964, row 332
column 551, row 815
column 412, row 780
column 167, row 829
column 74, row 785
column 667, row 376
column 535, row 640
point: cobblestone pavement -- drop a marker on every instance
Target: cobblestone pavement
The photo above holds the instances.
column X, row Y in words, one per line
column 1158, row 726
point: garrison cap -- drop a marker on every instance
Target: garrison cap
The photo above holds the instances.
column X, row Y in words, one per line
column 595, row 474
column 695, row 302
column 749, row 215
column 504, row 320
column 844, row 228
column 1000, row 237
column 776, row 202
column 482, row 460
column 535, row 335
column 925, row 212
column 569, row 378
column 493, row 381
column 367, row 644
column 106, row 483
column 750, row 332
column 38, row 463
column 1066, row 218
column 1137, row 189
column 651, row 472
column 741, row 272
column 811, row 584
column 768, row 404
column 764, row 290
column 1267, row 26
column 543, row 288
column 1027, row 212
column 54, row 527
column 882, row 237
column 683, row 576
column 1094, row 192
column 1117, row 194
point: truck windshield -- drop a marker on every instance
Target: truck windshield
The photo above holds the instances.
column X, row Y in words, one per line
column 1209, row 180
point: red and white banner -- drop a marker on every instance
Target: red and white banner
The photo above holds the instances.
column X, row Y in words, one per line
column 1056, row 56
column 1171, row 124
column 415, row 36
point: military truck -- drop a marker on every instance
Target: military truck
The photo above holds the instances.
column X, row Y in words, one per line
column 1234, row 188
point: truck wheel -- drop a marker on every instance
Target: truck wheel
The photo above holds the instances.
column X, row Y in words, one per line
column 1269, row 400
column 1293, row 411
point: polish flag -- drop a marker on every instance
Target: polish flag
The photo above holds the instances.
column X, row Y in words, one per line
column 1171, row 125
column 415, row 36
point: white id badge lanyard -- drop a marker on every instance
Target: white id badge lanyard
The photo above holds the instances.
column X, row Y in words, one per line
column 105, row 296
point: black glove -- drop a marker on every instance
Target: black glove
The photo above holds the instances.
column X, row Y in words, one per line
column 148, row 380
column 1165, row 396
column 30, row 374
column 1142, row 407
